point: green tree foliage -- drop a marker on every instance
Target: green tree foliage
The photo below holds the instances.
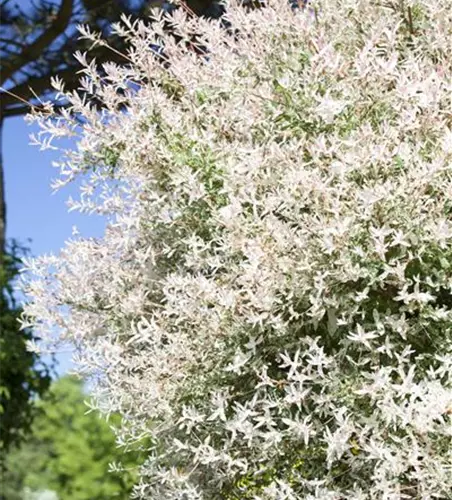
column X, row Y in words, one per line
column 22, row 375
column 70, row 451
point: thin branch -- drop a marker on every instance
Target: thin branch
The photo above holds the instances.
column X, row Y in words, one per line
column 410, row 21
column 37, row 86
column 15, row 96
column 27, row 108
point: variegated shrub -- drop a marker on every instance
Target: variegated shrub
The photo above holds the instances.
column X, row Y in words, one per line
column 271, row 303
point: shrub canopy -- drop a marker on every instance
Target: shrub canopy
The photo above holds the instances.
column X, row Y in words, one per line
column 271, row 302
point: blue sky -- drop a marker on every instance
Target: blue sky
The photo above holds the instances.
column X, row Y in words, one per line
column 34, row 211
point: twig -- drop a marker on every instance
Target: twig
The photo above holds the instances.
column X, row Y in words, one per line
column 410, row 21
column 17, row 97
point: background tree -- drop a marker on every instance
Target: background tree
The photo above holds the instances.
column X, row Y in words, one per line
column 69, row 451
column 22, row 375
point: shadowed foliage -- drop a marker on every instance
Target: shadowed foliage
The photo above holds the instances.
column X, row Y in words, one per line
column 22, row 375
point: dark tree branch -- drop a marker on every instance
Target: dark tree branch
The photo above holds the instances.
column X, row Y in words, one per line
column 16, row 111
column 7, row 41
column 37, row 85
column 35, row 49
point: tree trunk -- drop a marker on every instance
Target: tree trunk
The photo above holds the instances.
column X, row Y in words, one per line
column 2, row 240
column 2, row 198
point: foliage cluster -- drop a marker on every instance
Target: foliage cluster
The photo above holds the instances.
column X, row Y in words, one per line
column 271, row 301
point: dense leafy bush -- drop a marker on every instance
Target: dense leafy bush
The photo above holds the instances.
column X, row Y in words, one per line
column 271, row 301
